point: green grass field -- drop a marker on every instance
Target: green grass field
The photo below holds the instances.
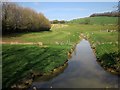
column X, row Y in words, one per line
column 19, row 59
column 65, row 35
column 96, row 20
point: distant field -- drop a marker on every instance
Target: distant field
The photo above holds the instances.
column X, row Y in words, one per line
column 101, row 20
column 67, row 35
column 21, row 58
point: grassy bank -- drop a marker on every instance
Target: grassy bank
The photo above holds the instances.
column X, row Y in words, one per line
column 106, row 48
column 20, row 60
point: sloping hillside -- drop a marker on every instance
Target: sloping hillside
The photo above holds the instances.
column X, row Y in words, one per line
column 96, row 20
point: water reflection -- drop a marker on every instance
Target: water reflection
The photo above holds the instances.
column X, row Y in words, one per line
column 82, row 72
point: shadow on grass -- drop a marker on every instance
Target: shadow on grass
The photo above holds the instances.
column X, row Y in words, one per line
column 18, row 34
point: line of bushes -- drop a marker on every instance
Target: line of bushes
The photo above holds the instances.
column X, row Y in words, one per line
column 16, row 18
column 109, row 14
column 58, row 22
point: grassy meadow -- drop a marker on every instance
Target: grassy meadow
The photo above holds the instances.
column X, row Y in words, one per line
column 19, row 60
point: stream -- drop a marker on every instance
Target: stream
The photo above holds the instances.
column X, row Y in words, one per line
column 82, row 71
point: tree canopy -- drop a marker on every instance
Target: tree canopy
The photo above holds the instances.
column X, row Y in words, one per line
column 20, row 19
